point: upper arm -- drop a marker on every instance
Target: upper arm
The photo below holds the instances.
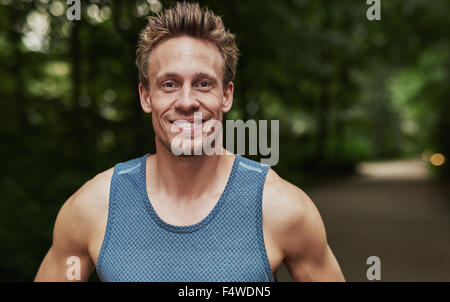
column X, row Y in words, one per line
column 301, row 235
column 308, row 255
column 74, row 226
column 69, row 239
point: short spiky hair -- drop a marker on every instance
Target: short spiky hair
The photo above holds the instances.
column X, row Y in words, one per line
column 191, row 20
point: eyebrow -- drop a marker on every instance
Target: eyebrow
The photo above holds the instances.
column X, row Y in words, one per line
column 166, row 75
column 197, row 75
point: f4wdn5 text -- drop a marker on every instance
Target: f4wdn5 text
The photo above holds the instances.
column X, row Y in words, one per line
column 226, row 291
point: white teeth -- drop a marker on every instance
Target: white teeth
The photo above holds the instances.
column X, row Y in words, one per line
column 186, row 124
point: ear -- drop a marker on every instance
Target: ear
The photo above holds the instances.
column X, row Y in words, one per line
column 227, row 97
column 144, row 96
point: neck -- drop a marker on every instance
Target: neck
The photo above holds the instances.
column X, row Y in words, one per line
column 186, row 178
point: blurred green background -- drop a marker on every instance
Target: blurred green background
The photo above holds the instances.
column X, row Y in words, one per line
column 345, row 89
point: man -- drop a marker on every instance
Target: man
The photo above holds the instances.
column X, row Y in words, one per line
column 163, row 217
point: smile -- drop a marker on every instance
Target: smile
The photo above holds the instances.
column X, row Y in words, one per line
column 187, row 124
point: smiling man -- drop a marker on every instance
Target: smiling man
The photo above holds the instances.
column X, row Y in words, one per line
column 164, row 217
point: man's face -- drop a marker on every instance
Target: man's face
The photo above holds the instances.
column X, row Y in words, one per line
column 185, row 77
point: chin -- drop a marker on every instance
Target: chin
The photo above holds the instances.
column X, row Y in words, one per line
column 188, row 147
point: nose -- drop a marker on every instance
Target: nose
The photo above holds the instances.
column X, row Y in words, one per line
column 186, row 101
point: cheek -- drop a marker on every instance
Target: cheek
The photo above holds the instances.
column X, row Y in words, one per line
column 213, row 99
column 217, row 95
column 159, row 104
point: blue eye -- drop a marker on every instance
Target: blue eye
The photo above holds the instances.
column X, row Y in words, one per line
column 204, row 84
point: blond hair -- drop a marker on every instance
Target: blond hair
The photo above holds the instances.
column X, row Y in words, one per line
column 191, row 20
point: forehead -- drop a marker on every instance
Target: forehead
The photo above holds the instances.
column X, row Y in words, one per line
column 184, row 55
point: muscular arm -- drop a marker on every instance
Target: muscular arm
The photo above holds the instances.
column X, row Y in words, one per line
column 76, row 223
column 300, row 233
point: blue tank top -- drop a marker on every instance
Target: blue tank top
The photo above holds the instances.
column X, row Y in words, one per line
column 226, row 246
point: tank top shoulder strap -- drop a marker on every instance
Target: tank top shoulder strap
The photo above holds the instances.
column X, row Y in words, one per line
column 250, row 176
column 128, row 174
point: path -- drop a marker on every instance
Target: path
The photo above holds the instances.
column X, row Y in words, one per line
column 391, row 210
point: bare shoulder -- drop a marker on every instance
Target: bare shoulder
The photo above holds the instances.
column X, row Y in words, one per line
column 290, row 215
column 287, row 200
column 294, row 222
column 79, row 216
column 94, row 194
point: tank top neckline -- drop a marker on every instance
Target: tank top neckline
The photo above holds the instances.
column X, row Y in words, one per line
column 185, row 228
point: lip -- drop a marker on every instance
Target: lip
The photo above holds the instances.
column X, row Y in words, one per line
column 185, row 119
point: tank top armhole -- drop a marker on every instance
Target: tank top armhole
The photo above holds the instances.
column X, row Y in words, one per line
column 109, row 223
column 259, row 226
